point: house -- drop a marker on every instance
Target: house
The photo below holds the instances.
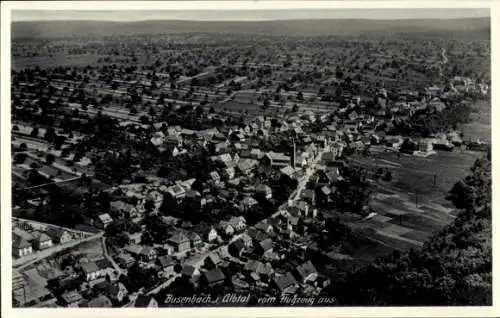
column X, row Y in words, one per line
column 145, row 301
column 41, row 240
column 116, row 292
column 211, row 235
column 167, row 264
column 176, row 191
column 180, row 242
column 288, row 171
column 194, row 239
column 103, row 220
column 393, row 141
column 247, row 240
column 125, row 260
column 91, row 271
column 105, row 267
column 306, row 272
column 228, row 173
column 212, row 260
column 212, row 278
column 264, row 190
column 71, row 298
column 226, row 228
column 265, row 247
column 142, row 253
column 59, row 235
column 169, row 249
column 100, row 301
column 215, row 177
column 246, row 165
column 247, row 203
column 308, row 195
column 122, row 207
column 259, row 269
column 264, row 226
column 284, row 284
column 20, row 246
column 189, row 271
column 274, row 159
column 236, row 248
column 134, row 238
column 256, row 235
column 238, row 223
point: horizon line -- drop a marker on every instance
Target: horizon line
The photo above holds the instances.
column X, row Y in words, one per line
column 248, row 20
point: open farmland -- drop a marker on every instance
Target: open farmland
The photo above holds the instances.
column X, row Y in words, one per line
column 403, row 219
column 480, row 127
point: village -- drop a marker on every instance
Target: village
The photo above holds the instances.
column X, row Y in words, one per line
column 213, row 177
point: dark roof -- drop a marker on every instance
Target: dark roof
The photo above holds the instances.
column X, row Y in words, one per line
column 214, row 258
column 214, row 275
column 55, row 232
column 143, row 301
column 166, row 260
column 90, row 267
column 285, row 281
column 238, row 244
column 266, row 244
column 188, row 270
column 19, row 242
column 103, row 263
column 100, row 302
column 306, row 269
column 257, row 234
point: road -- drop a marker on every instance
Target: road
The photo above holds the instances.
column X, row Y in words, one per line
column 55, row 182
column 108, row 257
column 23, row 262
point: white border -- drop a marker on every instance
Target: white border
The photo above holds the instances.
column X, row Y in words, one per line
column 6, row 274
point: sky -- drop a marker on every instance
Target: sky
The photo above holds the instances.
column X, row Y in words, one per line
column 249, row 15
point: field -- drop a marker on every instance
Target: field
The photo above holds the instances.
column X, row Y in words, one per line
column 409, row 209
column 481, row 125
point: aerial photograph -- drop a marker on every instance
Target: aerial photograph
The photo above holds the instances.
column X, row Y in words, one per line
column 307, row 158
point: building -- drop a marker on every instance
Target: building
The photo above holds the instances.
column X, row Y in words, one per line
column 71, row 298
column 144, row 301
column 238, row 223
column 236, row 248
column 264, row 190
column 103, row 220
column 211, row 235
column 59, row 235
column 285, row 284
column 306, row 272
column 212, row 278
column 142, row 253
column 425, row 145
column 180, row 242
column 116, row 292
column 274, row 159
column 91, row 271
column 167, row 264
column 20, row 246
column 41, row 240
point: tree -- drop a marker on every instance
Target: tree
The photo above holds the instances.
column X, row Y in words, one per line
column 50, row 158
column 338, row 72
column 387, row 177
column 34, row 132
